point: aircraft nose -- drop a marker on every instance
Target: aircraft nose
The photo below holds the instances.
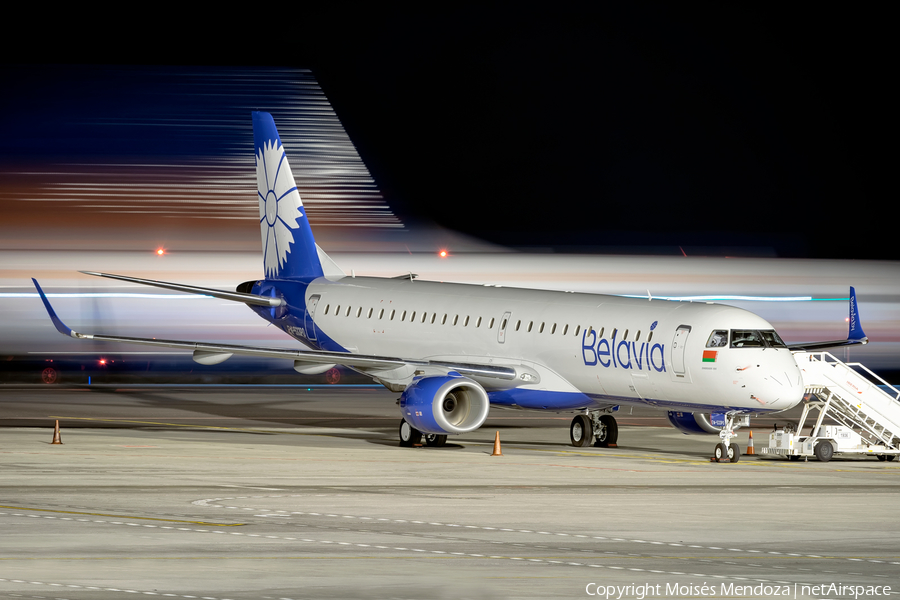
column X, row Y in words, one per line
column 783, row 385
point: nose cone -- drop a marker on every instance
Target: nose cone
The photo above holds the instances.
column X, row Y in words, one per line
column 781, row 386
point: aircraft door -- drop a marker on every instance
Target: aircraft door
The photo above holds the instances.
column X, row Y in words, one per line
column 504, row 321
column 310, row 315
column 678, row 344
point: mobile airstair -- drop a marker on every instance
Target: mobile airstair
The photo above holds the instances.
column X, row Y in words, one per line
column 866, row 408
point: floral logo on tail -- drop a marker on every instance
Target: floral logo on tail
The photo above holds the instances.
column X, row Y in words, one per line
column 279, row 206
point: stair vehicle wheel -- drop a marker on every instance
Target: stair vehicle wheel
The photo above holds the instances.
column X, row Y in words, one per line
column 793, row 457
column 824, row 451
column 409, row 436
column 581, row 431
column 734, row 452
column 609, row 434
column 890, row 457
column 881, row 457
column 434, row 440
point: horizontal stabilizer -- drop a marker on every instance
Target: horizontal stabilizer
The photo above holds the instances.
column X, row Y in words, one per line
column 192, row 289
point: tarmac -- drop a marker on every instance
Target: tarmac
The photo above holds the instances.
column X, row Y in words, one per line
column 275, row 493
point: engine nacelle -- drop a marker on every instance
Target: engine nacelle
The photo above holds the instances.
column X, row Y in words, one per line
column 442, row 405
column 694, row 423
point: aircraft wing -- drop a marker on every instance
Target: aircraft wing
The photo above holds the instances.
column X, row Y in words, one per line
column 206, row 353
column 855, row 335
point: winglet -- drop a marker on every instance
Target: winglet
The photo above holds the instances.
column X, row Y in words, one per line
column 60, row 326
column 856, row 332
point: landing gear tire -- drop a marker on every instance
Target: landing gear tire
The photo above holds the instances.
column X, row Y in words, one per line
column 609, row 433
column 409, row 436
column 732, row 453
column 824, row 451
column 720, row 452
column 434, row 440
column 581, row 431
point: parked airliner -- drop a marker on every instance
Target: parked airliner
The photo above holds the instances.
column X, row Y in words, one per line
column 453, row 350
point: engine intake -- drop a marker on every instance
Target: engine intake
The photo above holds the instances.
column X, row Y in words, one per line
column 445, row 405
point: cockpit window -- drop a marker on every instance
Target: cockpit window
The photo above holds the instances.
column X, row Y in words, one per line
column 773, row 339
column 751, row 338
column 746, row 338
column 717, row 339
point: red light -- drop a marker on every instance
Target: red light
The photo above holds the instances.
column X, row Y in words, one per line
column 102, row 361
column 160, row 252
column 442, row 254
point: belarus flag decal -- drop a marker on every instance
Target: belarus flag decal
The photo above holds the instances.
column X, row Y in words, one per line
column 709, row 355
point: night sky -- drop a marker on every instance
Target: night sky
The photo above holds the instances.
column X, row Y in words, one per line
column 714, row 130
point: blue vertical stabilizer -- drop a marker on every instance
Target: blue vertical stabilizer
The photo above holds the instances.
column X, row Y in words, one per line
column 856, row 331
column 289, row 249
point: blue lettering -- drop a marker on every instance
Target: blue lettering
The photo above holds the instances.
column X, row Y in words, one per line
column 662, row 359
column 614, row 347
column 638, row 355
column 603, row 350
column 623, row 364
column 585, row 347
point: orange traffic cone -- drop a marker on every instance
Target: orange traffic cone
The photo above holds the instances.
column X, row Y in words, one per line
column 56, row 438
column 750, row 451
column 497, row 445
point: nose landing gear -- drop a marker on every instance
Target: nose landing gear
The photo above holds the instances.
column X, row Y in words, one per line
column 726, row 450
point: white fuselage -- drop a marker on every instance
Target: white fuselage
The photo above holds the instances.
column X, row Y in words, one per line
column 614, row 350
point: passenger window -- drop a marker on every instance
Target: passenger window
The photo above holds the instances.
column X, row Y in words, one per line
column 650, row 337
column 455, row 320
column 327, row 306
column 566, row 329
column 577, row 330
column 381, row 314
column 392, row 314
column 478, row 322
column 518, row 324
column 369, row 314
column 637, row 338
column 348, row 312
column 444, row 320
column 602, row 329
column 359, row 312
column 717, row 339
column 337, row 311
column 541, row 330
column 433, row 317
column 530, row 325
column 491, row 326
column 403, row 316
column 466, row 323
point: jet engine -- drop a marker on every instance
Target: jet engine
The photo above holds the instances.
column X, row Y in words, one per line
column 442, row 405
column 693, row 423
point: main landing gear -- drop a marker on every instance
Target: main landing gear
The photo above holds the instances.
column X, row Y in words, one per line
column 593, row 427
column 409, row 437
column 726, row 450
